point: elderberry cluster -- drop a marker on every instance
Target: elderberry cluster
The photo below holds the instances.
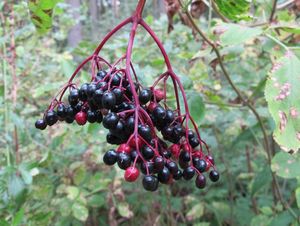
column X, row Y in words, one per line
column 156, row 143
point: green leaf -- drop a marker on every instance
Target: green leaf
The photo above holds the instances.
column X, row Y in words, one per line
column 41, row 14
column 234, row 9
column 262, row 179
column 97, row 201
column 73, row 192
column 298, row 196
column 196, row 212
column 124, row 211
column 80, row 212
column 4, row 222
column 283, row 96
column 17, row 219
column 196, row 106
column 235, row 34
column 15, row 185
column 283, row 218
column 286, row 165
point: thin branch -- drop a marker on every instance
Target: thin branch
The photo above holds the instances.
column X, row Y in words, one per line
column 273, row 11
column 247, row 103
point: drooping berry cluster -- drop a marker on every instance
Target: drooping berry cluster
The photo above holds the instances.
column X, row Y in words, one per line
column 151, row 137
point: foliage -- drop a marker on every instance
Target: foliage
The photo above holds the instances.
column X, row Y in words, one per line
column 57, row 177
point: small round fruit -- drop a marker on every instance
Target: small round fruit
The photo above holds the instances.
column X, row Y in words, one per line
column 108, row 100
column 194, row 142
column 61, row 111
column 172, row 166
column 145, row 96
column 200, row 164
column 40, row 124
column 214, row 176
column 150, row 183
column 147, row 152
column 188, row 173
column 149, row 165
column 200, row 181
column 91, row 88
column 185, row 156
column 159, row 163
column 124, row 161
column 81, row 118
column 83, row 92
column 111, row 120
column 145, row 132
column 74, row 95
column 51, row 118
column 110, row 157
column 91, row 116
column 131, row 174
column 177, row 175
column 159, row 113
column 164, row 175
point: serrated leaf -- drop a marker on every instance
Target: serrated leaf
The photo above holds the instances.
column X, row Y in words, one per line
column 283, row 96
column 41, row 14
column 80, row 212
column 234, row 9
column 286, row 165
column 124, row 211
column 196, row 212
column 235, row 34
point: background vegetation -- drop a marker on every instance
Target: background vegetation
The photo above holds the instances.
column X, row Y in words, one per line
column 56, row 177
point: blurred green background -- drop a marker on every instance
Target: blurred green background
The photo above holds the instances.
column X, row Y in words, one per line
column 56, row 177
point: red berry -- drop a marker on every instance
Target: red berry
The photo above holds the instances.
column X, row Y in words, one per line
column 159, row 94
column 186, row 147
column 175, row 150
column 132, row 142
column 131, row 174
column 124, row 148
column 81, row 118
column 152, row 106
column 208, row 165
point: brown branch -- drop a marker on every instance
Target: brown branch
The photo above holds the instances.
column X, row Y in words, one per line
column 273, row 11
column 215, row 8
column 246, row 103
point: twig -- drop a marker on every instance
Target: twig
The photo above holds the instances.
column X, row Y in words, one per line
column 273, row 11
column 248, row 104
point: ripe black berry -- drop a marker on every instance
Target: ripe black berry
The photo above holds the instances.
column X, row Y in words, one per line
column 110, row 157
column 164, row 175
column 97, row 98
column 61, row 111
column 200, row 181
column 170, row 117
column 40, row 124
column 214, row 175
column 159, row 113
column 118, row 94
column 51, row 117
column 91, row 90
column 145, row 96
column 83, row 92
column 200, row 164
column 177, row 175
column 133, row 155
column 101, row 74
column 124, row 161
column 130, row 124
column 159, row 163
column 194, row 142
column 172, row 166
column 150, row 183
column 185, row 156
column 149, row 165
column 111, row 120
column 188, row 173
column 115, row 79
column 147, row 152
column 91, row 116
column 108, row 100
column 74, row 95
column 145, row 132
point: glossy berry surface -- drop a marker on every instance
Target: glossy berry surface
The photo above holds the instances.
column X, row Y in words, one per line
column 110, row 157
column 40, row 124
column 81, row 118
column 214, row 175
column 200, row 181
column 131, row 174
column 150, row 183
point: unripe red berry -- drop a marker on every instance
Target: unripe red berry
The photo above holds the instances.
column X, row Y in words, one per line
column 81, row 118
column 133, row 141
column 175, row 150
column 186, row 147
column 159, row 94
column 131, row 174
column 124, row 148
column 152, row 106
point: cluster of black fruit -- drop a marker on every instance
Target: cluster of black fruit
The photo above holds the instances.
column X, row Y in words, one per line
column 109, row 99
